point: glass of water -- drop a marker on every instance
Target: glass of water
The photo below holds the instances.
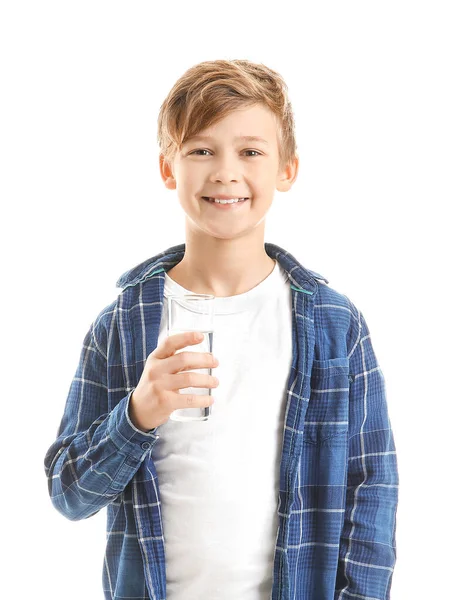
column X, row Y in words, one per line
column 193, row 312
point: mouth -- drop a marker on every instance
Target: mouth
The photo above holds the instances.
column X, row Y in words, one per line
column 226, row 205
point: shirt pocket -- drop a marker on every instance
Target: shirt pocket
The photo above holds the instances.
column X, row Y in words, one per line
column 327, row 414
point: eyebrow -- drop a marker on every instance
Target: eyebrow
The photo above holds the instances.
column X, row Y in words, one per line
column 248, row 138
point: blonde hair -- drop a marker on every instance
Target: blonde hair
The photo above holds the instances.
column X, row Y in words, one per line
column 211, row 90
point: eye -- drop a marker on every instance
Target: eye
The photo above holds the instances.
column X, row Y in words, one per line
column 204, row 150
column 201, row 150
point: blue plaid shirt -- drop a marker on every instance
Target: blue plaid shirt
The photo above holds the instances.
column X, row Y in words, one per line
column 338, row 468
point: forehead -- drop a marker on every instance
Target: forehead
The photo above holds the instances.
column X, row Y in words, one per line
column 254, row 124
column 237, row 138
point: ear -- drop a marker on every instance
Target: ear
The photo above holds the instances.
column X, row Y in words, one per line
column 167, row 172
column 286, row 178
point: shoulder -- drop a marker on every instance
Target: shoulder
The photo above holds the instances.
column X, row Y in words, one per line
column 335, row 310
column 104, row 325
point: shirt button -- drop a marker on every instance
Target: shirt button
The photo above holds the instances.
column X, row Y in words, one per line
column 145, row 445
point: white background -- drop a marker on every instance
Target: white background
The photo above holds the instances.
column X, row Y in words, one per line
column 377, row 93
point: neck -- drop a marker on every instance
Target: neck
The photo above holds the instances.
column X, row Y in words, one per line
column 222, row 267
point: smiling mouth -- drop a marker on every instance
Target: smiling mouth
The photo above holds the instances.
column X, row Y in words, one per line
column 224, row 202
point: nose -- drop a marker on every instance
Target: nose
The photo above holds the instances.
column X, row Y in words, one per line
column 224, row 175
column 224, row 178
column 225, row 170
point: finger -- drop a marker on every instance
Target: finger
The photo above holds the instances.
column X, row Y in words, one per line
column 180, row 401
column 179, row 381
column 191, row 360
column 172, row 343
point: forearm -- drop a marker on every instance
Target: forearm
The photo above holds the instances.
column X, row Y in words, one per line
column 86, row 471
column 368, row 543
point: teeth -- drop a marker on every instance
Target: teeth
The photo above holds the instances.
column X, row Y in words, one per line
column 231, row 201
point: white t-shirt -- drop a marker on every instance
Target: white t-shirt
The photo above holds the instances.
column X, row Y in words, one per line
column 219, row 479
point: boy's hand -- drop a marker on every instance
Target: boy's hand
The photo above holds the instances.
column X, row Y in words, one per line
column 156, row 395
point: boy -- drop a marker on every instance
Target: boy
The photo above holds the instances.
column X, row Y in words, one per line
column 289, row 490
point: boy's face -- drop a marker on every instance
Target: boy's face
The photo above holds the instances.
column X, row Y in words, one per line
column 225, row 164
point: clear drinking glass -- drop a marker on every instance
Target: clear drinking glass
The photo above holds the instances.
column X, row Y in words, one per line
column 192, row 312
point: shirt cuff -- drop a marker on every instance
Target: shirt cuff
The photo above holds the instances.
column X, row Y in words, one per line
column 125, row 434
